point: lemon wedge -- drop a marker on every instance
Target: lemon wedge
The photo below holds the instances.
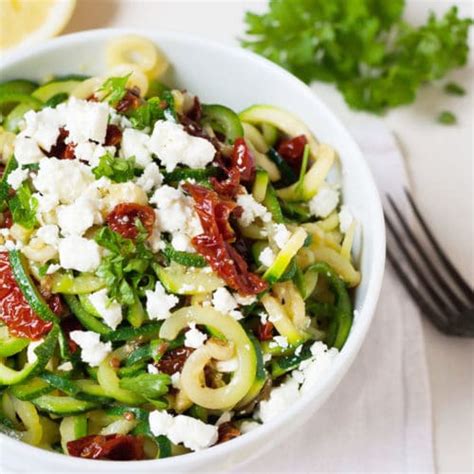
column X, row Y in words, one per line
column 25, row 22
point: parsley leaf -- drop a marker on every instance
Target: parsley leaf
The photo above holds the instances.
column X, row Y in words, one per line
column 128, row 265
column 447, row 118
column 119, row 170
column 23, row 207
column 156, row 108
column 114, row 89
column 454, row 89
column 376, row 59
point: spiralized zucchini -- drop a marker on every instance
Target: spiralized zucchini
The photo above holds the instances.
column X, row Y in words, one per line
column 192, row 377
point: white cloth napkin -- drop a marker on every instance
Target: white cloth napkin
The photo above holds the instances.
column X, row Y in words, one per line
column 379, row 417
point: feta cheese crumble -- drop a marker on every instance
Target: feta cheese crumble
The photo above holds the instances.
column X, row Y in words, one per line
column 345, row 219
column 76, row 218
column 17, row 177
column 281, row 235
column 49, row 234
column 224, row 302
column 31, row 356
column 281, row 398
column 194, row 337
column 325, row 201
column 135, row 143
column 172, row 145
column 267, row 257
column 27, row 150
column 111, row 311
column 193, row 433
column 93, row 351
column 251, row 210
column 151, row 178
column 279, row 341
column 159, row 303
column 77, row 253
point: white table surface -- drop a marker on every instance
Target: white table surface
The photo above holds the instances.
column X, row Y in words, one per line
column 440, row 164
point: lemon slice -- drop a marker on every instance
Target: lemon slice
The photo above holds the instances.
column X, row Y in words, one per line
column 25, row 22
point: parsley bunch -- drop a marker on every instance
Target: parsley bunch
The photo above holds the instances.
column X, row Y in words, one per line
column 376, row 59
column 127, row 267
column 119, row 170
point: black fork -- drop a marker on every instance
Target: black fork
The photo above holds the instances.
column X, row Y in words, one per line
column 438, row 289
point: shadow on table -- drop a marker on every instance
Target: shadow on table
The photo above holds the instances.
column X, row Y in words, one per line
column 90, row 14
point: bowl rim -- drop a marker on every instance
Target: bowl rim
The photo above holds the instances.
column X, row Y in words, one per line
column 347, row 355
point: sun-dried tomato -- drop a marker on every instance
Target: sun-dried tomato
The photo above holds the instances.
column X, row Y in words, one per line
column 123, row 219
column 116, row 447
column 15, row 311
column 61, row 149
column 292, row 150
column 113, row 136
column 6, row 219
column 265, row 331
column 130, row 101
column 241, row 169
column 227, row 431
column 69, row 324
column 195, row 112
column 214, row 243
column 173, row 361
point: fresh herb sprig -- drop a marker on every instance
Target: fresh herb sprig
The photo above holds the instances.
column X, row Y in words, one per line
column 119, row 170
column 376, row 59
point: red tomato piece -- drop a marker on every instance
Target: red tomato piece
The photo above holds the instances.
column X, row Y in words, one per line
column 214, row 243
column 116, row 447
column 243, row 159
column 113, row 136
column 15, row 311
column 123, row 218
column 265, row 331
column 292, row 150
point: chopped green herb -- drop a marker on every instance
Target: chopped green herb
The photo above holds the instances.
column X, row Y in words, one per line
column 119, row 170
column 375, row 58
column 23, row 207
column 454, row 89
column 447, row 118
column 114, row 89
column 156, row 108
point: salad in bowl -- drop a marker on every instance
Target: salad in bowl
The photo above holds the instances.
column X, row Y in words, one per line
column 173, row 274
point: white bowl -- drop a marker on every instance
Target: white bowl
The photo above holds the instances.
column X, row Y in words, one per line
column 231, row 76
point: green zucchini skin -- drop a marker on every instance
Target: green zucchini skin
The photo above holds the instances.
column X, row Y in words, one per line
column 87, row 320
column 185, row 258
column 18, row 86
column 31, row 389
column 223, row 120
column 63, row 406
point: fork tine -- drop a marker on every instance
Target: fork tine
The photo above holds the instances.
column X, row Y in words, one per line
column 434, row 272
column 434, row 295
column 456, row 276
column 426, row 308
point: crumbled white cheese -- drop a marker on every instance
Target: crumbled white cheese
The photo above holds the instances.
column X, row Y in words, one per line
column 17, row 177
column 172, row 145
column 278, row 341
column 53, row 268
column 31, row 357
column 159, row 303
column 111, row 311
column 150, row 179
column 325, row 201
column 224, row 418
column 345, row 219
column 49, row 234
column 65, row 366
column 281, row 398
column 193, row 433
column 267, row 257
column 175, row 380
column 43, row 126
column 181, row 242
column 66, row 180
column 152, row 369
column 91, row 152
column 251, row 210
column 175, row 214
column 298, row 350
column 86, row 120
column 46, row 203
column 77, row 253
column 224, row 302
column 27, row 150
column 194, row 338
column 76, row 218
column 281, row 235
column 229, row 365
column 244, row 300
column 135, row 143
column 93, row 351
